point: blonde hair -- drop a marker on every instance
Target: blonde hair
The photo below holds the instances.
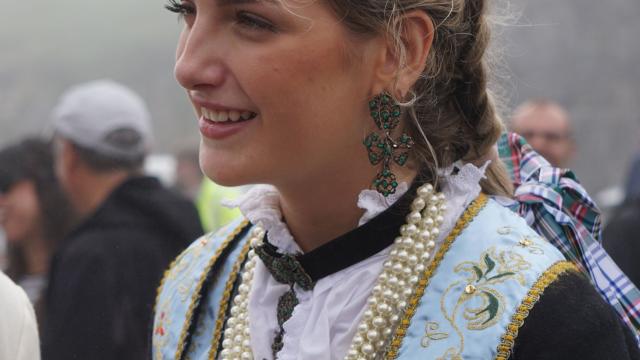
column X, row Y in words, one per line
column 453, row 112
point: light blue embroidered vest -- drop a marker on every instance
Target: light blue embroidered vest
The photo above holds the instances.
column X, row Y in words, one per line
column 470, row 303
column 187, row 321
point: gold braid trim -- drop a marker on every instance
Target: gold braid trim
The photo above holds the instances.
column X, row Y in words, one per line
column 196, row 294
column 165, row 275
column 517, row 320
column 226, row 297
column 466, row 218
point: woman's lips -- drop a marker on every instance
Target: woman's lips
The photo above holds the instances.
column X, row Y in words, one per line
column 226, row 115
column 219, row 122
column 221, row 130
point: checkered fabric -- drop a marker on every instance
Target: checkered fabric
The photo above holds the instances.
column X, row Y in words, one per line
column 555, row 205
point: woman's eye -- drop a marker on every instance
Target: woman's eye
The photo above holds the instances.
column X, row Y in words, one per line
column 253, row 22
column 180, row 8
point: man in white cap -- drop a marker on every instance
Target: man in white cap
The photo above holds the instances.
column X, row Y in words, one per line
column 103, row 278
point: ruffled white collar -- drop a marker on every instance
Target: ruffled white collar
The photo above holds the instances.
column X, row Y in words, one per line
column 459, row 183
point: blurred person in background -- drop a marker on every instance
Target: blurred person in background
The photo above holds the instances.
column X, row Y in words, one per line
column 207, row 195
column 547, row 127
column 3, row 248
column 188, row 174
column 104, row 276
column 34, row 214
column 18, row 328
column 620, row 236
column 632, row 184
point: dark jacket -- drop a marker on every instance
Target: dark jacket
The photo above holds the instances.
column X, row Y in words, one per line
column 621, row 238
column 104, row 277
column 571, row 321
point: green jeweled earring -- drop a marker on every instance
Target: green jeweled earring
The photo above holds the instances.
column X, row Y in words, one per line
column 382, row 148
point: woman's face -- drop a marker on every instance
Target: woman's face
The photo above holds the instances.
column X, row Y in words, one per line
column 20, row 212
column 280, row 89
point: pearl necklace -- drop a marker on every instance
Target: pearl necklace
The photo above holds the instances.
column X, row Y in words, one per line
column 408, row 259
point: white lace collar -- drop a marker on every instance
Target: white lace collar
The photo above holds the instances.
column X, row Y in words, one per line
column 459, row 183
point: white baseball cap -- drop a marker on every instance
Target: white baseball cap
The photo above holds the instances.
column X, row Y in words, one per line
column 92, row 115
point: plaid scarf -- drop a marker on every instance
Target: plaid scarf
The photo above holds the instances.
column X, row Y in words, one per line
column 556, row 206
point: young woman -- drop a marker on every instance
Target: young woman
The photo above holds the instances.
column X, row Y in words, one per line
column 35, row 214
column 381, row 232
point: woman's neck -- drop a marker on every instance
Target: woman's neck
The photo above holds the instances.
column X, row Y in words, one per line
column 319, row 212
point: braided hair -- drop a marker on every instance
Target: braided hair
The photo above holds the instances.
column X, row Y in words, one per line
column 452, row 113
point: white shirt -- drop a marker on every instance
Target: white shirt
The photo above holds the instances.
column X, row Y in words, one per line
column 325, row 321
column 18, row 327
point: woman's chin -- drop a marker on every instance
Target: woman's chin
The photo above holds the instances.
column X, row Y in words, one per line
column 223, row 178
column 226, row 168
column 226, row 175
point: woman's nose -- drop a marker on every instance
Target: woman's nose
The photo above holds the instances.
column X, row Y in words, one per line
column 199, row 59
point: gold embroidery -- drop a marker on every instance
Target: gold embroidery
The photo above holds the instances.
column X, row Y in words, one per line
column 492, row 269
column 168, row 274
column 528, row 242
column 160, row 330
column 174, row 268
column 226, row 298
column 531, row 246
column 196, row 291
column 431, row 334
column 487, row 313
column 451, row 354
column 525, row 242
column 470, row 289
column 451, row 319
column 185, row 266
column 517, row 320
column 484, row 304
column 466, row 218
column 505, row 230
column 183, row 290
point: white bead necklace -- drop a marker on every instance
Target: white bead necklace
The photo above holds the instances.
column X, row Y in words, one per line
column 408, row 259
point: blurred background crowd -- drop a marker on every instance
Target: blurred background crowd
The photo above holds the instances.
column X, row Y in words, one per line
column 565, row 73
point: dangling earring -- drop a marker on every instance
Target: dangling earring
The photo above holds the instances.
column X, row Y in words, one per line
column 381, row 148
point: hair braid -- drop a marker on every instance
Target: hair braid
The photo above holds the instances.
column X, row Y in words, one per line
column 452, row 106
column 471, row 96
column 474, row 100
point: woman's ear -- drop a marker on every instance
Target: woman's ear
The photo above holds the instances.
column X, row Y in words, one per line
column 65, row 160
column 399, row 71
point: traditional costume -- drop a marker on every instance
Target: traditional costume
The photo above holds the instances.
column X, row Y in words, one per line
column 481, row 285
